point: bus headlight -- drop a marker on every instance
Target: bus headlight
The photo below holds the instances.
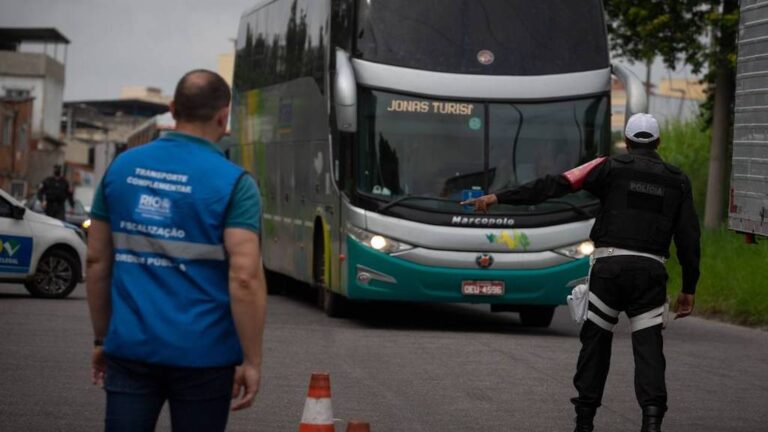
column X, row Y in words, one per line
column 579, row 250
column 377, row 241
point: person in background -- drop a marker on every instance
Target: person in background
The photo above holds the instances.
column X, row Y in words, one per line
column 175, row 282
column 54, row 193
column 646, row 202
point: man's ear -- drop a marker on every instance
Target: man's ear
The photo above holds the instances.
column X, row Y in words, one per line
column 222, row 118
column 172, row 108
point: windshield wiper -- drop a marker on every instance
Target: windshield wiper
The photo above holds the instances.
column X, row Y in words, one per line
column 403, row 198
column 413, row 197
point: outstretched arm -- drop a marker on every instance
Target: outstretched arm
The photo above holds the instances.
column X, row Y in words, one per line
column 586, row 176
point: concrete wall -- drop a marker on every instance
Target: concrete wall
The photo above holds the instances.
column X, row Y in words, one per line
column 76, row 152
column 36, row 87
column 673, row 109
column 52, row 106
column 103, row 155
column 44, row 78
column 14, row 158
column 41, row 165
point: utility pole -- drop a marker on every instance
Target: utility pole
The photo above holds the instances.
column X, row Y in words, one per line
column 717, row 182
column 648, row 70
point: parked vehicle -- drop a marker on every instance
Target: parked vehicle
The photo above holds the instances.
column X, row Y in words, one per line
column 76, row 215
column 748, row 209
column 43, row 253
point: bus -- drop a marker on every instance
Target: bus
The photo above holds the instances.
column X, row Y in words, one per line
column 366, row 122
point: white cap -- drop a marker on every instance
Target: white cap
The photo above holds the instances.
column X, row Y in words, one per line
column 640, row 123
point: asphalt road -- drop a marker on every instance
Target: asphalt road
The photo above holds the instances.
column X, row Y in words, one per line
column 403, row 368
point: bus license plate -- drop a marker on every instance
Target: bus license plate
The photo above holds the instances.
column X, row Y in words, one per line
column 483, row 288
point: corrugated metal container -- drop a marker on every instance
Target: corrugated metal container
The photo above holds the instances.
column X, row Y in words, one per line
column 748, row 211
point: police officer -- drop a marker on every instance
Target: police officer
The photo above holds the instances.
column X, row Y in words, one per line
column 54, row 192
column 646, row 202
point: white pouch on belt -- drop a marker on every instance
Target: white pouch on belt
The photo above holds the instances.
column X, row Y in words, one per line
column 578, row 303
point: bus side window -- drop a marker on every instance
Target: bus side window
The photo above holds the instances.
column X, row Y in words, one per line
column 342, row 24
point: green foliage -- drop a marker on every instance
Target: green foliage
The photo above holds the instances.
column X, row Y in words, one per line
column 676, row 31
column 641, row 30
column 686, row 145
column 733, row 274
column 733, row 278
column 699, row 33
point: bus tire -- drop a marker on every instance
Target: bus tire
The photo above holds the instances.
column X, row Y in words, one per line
column 537, row 316
column 333, row 304
column 276, row 285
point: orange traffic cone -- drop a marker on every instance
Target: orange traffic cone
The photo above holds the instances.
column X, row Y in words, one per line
column 358, row 426
column 318, row 413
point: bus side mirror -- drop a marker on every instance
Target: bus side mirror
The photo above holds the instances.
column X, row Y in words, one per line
column 18, row 212
column 345, row 93
column 637, row 98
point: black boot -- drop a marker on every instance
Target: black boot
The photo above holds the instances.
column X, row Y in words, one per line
column 584, row 417
column 652, row 417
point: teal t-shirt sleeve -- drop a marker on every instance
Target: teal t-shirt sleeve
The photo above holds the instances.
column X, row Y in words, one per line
column 99, row 207
column 245, row 208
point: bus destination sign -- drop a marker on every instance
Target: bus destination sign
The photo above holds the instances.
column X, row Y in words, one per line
column 431, row 107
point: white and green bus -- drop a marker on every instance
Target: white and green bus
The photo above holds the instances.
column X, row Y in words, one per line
column 366, row 122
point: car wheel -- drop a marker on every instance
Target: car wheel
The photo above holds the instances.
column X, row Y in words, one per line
column 537, row 316
column 56, row 275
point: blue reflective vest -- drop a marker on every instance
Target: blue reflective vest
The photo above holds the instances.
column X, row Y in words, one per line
column 167, row 204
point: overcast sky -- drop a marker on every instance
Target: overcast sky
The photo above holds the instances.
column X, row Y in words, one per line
column 116, row 43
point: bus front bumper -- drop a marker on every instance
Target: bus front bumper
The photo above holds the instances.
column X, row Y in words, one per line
column 377, row 276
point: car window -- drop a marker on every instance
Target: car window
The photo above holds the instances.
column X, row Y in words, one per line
column 5, row 208
column 35, row 205
column 79, row 209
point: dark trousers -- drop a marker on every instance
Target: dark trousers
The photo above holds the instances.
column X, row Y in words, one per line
column 198, row 398
column 636, row 286
column 56, row 209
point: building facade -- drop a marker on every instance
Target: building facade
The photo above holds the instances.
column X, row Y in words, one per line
column 38, row 76
column 15, row 129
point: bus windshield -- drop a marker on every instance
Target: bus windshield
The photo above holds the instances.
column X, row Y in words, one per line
column 515, row 37
column 410, row 146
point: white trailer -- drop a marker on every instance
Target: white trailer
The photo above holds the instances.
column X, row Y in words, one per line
column 748, row 209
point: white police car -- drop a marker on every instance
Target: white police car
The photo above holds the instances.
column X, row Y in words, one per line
column 43, row 253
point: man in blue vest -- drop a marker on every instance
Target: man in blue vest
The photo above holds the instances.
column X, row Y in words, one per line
column 175, row 285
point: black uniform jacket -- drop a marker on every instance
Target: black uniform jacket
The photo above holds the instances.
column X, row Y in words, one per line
column 595, row 178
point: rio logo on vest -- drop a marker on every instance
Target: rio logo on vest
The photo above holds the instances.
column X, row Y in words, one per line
column 153, row 207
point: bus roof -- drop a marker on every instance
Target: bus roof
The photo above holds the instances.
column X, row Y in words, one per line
column 259, row 4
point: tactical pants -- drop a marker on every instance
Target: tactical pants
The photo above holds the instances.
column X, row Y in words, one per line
column 637, row 286
column 56, row 209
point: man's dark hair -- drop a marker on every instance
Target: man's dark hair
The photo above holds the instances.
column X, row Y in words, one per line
column 643, row 135
column 199, row 95
column 653, row 145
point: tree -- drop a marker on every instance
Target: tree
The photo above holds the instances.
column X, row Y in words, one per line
column 641, row 30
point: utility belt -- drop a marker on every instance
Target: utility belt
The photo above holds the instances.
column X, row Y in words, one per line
column 578, row 301
column 605, row 252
